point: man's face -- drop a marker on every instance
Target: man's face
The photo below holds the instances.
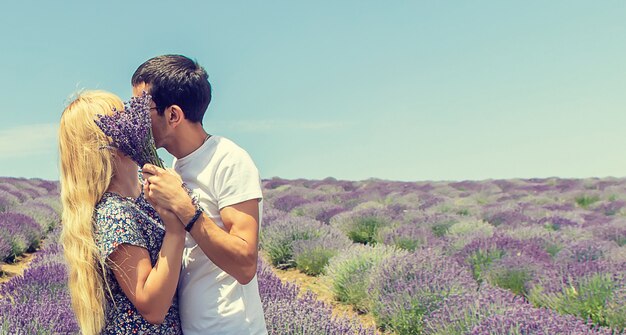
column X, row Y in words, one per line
column 158, row 121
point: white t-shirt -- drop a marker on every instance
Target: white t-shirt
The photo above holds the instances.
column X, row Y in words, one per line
column 211, row 301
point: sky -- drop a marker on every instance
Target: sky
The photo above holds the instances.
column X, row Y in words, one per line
column 395, row 90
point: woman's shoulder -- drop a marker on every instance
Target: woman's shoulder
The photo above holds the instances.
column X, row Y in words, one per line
column 112, row 203
column 117, row 221
column 113, row 208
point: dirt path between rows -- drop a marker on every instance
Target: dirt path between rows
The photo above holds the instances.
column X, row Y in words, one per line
column 10, row 270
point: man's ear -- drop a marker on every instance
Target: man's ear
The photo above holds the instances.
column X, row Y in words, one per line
column 175, row 115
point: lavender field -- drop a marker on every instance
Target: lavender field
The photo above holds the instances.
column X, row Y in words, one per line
column 38, row 302
column 538, row 256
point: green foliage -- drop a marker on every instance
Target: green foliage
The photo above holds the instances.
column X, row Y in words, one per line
column 463, row 212
column 298, row 212
column 279, row 254
column 590, row 298
column 312, row 256
column 510, row 278
column 466, row 230
column 480, row 261
column 549, row 226
column 350, row 271
column 276, row 240
column 34, row 245
column 408, row 321
column 468, row 226
column 314, row 261
column 553, row 249
column 585, row 201
column 440, row 229
column 18, row 248
column 406, row 243
column 365, row 229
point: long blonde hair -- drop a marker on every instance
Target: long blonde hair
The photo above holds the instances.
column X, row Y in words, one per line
column 86, row 172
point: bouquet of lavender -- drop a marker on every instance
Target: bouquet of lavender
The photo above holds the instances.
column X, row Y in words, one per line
column 131, row 130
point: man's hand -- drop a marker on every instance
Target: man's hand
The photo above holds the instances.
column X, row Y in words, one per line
column 163, row 188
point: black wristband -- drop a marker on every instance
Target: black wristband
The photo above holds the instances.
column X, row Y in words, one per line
column 193, row 219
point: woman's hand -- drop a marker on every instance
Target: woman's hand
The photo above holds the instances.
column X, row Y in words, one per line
column 164, row 188
column 170, row 221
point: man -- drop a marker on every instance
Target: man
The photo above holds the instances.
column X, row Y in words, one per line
column 218, row 290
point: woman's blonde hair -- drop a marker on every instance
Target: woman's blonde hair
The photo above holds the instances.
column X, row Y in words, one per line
column 86, row 172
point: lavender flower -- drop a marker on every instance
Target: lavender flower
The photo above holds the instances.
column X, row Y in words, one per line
column 131, row 130
column 271, row 215
column 350, row 271
column 362, row 225
column 406, row 288
column 482, row 252
column 289, row 202
column 321, row 211
column 5, row 248
column 287, row 313
column 505, row 215
column 38, row 301
column 44, row 215
column 13, row 190
column 7, row 201
column 540, row 321
column 614, row 231
column 460, row 313
column 311, row 256
column 22, row 233
column 276, row 239
column 410, row 237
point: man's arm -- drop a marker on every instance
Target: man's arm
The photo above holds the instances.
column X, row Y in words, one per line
column 234, row 249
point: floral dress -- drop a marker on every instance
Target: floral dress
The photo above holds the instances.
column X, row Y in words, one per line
column 133, row 221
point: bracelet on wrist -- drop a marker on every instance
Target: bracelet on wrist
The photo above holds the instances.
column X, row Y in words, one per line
column 193, row 219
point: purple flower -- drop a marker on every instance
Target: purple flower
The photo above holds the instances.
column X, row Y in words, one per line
column 460, row 313
column 7, row 201
column 13, row 190
column 274, row 183
column 505, row 215
column 44, row 215
column 131, row 130
column 288, row 313
column 288, row 202
column 21, row 231
column 277, row 238
column 410, row 237
column 404, row 289
column 311, row 256
column 614, row 231
column 526, row 320
column 38, row 302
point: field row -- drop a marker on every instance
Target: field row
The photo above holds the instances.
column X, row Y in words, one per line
column 28, row 212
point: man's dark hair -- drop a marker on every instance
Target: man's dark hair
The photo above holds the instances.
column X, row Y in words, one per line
column 176, row 80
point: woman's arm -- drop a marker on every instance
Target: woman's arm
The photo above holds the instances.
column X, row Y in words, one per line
column 151, row 289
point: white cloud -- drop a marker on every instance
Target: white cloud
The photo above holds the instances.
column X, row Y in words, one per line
column 28, row 140
column 276, row 125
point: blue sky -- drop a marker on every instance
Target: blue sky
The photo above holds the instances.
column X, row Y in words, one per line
column 399, row 90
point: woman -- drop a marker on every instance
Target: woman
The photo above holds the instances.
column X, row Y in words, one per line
column 123, row 264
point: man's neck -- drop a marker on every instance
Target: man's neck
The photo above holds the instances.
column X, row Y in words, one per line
column 187, row 141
